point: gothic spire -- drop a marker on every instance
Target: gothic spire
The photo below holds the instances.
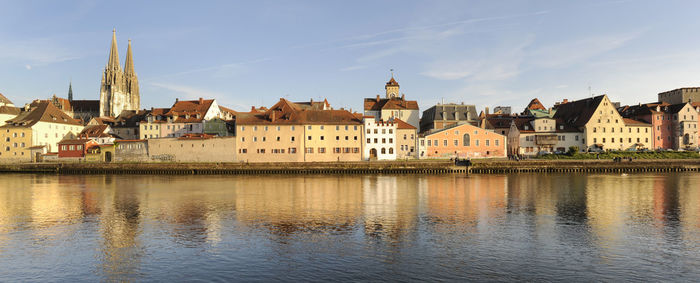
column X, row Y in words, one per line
column 129, row 62
column 70, row 91
column 113, row 62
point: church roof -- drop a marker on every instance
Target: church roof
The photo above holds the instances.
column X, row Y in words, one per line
column 113, row 60
column 86, row 106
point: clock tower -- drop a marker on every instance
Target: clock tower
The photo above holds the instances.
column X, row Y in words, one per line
column 392, row 88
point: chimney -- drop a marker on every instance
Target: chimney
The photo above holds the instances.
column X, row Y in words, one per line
column 312, row 101
column 201, row 100
column 273, row 116
column 177, row 99
column 486, row 110
column 377, row 97
column 403, row 96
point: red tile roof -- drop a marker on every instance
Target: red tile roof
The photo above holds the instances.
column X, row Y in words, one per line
column 286, row 112
column 377, row 104
column 634, row 122
column 401, row 125
column 43, row 112
column 535, row 104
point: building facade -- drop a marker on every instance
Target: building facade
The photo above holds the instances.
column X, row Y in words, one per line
column 444, row 115
column 680, row 95
column 193, row 148
column 530, row 136
column 462, row 141
column 406, row 140
column 288, row 133
column 602, row 125
column 380, row 139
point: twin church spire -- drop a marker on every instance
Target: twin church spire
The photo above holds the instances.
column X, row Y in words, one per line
column 119, row 88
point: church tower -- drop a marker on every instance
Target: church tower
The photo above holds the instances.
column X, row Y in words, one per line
column 392, row 88
column 119, row 89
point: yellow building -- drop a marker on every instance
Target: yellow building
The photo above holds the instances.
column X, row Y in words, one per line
column 288, row 132
column 602, row 126
column 406, row 140
column 43, row 125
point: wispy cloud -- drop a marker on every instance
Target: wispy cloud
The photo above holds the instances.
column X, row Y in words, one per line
column 576, row 51
column 353, row 68
column 223, row 70
column 188, row 92
column 37, row 52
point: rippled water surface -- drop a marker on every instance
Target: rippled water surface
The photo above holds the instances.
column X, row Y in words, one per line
column 316, row 228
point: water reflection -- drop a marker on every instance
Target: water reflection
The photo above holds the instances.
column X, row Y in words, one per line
column 497, row 225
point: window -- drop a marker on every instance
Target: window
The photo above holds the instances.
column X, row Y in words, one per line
column 255, row 139
column 383, row 140
column 444, row 142
column 383, row 150
column 309, row 138
column 456, row 142
column 391, row 140
column 428, row 142
column 337, row 138
column 292, row 138
column 278, row 138
column 242, row 128
column 368, row 131
column 309, row 127
column 465, row 140
column 309, row 150
column 487, row 143
column 495, row 142
column 391, row 131
column 336, row 150
column 337, row 128
column 322, row 137
column 293, row 150
column 476, row 142
column 376, row 131
column 376, row 140
column 383, row 131
column 355, row 138
column 391, row 150
column 321, row 127
column 435, row 142
column 369, row 140
column 321, row 150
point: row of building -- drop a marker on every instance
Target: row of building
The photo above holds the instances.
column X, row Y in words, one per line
column 115, row 128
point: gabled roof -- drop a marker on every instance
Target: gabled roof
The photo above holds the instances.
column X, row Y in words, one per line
column 498, row 121
column 186, row 111
column 378, row 104
column 286, row 112
column 99, row 131
column 401, row 125
column 9, row 110
column 4, row 99
column 314, row 105
column 535, row 104
column 43, row 112
column 675, row 108
column 577, row 113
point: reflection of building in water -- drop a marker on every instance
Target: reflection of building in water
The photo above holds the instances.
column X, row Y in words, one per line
column 689, row 203
column 613, row 200
column 286, row 205
column 390, row 205
column 467, row 200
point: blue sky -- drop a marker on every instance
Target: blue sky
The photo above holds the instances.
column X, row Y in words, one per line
column 486, row 53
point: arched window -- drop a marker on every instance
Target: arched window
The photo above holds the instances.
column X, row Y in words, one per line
column 383, row 150
column 466, row 140
column 391, row 150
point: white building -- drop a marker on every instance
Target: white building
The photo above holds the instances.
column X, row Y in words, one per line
column 380, row 143
column 530, row 136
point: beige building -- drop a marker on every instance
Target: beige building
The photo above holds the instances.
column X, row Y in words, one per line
column 530, row 136
column 680, row 95
column 43, row 125
column 602, row 126
column 288, row 132
column 193, row 148
column 7, row 110
column 406, row 140
column 394, row 105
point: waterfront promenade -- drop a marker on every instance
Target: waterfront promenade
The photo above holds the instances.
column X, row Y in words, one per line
column 375, row 167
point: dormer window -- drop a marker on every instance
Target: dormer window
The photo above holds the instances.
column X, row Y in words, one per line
column 561, row 127
column 526, row 127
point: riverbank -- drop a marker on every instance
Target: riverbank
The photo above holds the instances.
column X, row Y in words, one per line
column 378, row 167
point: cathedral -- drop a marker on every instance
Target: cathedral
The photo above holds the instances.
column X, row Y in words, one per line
column 120, row 88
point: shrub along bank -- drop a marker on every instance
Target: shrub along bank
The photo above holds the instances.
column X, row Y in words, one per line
column 625, row 154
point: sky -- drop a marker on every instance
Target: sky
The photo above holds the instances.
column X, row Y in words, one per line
column 487, row 53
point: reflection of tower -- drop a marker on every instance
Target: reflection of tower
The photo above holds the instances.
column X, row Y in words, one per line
column 390, row 205
column 120, row 230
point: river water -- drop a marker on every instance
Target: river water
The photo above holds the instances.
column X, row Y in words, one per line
column 533, row 227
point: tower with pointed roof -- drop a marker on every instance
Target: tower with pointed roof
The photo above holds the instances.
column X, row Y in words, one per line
column 392, row 88
column 70, row 91
column 119, row 89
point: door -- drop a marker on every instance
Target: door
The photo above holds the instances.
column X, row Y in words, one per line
column 108, row 156
column 373, row 153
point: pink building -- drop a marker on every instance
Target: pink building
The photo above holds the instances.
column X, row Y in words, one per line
column 462, row 141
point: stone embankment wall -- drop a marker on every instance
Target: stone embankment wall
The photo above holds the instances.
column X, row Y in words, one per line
column 375, row 167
